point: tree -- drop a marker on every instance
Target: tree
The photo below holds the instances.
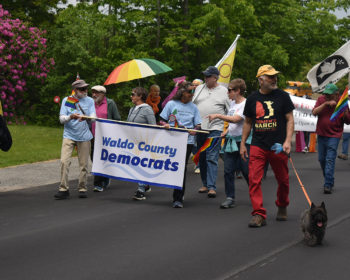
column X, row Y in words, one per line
column 23, row 61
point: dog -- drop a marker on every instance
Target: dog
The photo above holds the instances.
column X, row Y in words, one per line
column 314, row 223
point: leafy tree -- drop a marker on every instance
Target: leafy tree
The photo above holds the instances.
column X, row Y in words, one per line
column 23, row 62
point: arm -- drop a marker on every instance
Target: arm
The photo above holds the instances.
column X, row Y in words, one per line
column 290, row 130
column 317, row 110
column 231, row 119
column 115, row 112
column 247, row 126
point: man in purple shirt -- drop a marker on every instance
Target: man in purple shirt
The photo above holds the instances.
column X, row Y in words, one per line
column 328, row 133
column 105, row 109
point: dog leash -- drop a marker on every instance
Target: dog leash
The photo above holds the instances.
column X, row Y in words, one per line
column 301, row 184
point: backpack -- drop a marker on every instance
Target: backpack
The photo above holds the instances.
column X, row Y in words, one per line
column 5, row 135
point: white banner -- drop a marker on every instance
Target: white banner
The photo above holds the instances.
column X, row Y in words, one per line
column 137, row 153
column 303, row 118
column 330, row 70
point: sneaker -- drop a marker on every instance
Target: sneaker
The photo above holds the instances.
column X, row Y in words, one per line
column 343, row 156
column 228, row 203
column 327, row 190
column 98, row 189
column 62, row 195
column 148, row 188
column 281, row 214
column 197, row 170
column 212, row 194
column 239, row 175
column 82, row 195
column 257, row 221
column 178, row 204
column 306, row 150
column 203, row 190
column 139, row 196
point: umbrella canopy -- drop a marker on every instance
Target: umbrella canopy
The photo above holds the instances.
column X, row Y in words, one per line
column 136, row 69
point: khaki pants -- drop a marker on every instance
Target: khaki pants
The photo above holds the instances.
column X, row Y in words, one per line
column 83, row 148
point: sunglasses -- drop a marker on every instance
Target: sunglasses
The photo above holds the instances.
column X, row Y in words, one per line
column 231, row 89
column 82, row 89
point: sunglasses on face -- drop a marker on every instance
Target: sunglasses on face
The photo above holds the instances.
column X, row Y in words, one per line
column 231, row 89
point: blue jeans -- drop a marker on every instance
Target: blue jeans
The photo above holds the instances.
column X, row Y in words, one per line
column 232, row 163
column 345, row 144
column 327, row 153
column 208, row 160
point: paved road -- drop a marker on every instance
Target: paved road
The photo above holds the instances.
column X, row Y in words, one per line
column 110, row 236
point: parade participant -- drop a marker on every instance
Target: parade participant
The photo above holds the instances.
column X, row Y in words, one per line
column 269, row 112
column 328, row 133
column 76, row 133
column 105, row 109
column 181, row 111
column 210, row 98
column 140, row 113
column 345, row 143
column 232, row 159
column 153, row 100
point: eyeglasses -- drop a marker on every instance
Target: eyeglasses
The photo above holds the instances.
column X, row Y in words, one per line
column 82, row 89
column 231, row 89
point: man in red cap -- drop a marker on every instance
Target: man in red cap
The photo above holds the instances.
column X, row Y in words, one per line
column 269, row 112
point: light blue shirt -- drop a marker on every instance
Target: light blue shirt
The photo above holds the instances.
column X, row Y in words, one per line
column 74, row 129
column 187, row 115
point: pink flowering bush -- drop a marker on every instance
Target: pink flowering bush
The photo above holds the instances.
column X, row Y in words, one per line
column 22, row 60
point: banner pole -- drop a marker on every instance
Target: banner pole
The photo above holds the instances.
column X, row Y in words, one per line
column 145, row 124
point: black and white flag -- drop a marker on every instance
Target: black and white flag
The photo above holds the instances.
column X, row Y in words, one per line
column 330, row 70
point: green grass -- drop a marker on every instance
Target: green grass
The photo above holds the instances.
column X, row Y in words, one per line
column 32, row 144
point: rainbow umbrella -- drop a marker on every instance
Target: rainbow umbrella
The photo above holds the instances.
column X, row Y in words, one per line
column 136, row 69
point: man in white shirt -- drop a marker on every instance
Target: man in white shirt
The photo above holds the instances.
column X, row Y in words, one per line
column 210, row 98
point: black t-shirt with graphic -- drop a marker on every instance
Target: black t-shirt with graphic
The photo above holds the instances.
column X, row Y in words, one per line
column 267, row 112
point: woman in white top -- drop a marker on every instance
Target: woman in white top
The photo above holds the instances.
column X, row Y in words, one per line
column 232, row 159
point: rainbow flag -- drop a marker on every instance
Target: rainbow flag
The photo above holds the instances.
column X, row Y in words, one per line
column 209, row 144
column 71, row 102
column 341, row 106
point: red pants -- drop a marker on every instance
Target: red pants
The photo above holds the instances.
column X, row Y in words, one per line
column 279, row 163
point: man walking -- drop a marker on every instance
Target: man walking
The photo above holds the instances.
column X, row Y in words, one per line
column 269, row 112
column 328, row 133
column 210, row 98
column 105, row 109
column 76, row 133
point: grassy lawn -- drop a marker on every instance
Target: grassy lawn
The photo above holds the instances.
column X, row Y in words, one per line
column 32, row 144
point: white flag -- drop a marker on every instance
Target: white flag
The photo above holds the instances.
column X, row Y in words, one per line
column 225, row 64
column 330, row 70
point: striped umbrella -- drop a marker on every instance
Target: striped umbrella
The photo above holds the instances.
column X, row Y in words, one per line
column 136, row 69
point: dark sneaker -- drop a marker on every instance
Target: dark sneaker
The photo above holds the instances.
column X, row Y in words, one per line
column 343, row 157
column 228, row 203
column 139, row 196
column 257, row 221
column 62, row 195
column 82, row 195
column 327, row 190
column 212, row 194
column 148, row 188
column 178, row 204
column 203, row 190
column 98, row 189
column 281, row 214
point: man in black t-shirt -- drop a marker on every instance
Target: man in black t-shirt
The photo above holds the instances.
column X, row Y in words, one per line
column 269, row 112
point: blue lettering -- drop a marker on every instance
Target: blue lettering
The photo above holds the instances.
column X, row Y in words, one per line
column 112, row 157
column 175, row 166
column 135, row 161
column 124, row 159
column 104, row 154
column 144, row 162
column 105, row 141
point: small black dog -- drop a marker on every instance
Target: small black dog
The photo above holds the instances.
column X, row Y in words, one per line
column 314, row 223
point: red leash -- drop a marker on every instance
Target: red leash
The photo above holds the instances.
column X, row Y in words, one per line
column 301, row 184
